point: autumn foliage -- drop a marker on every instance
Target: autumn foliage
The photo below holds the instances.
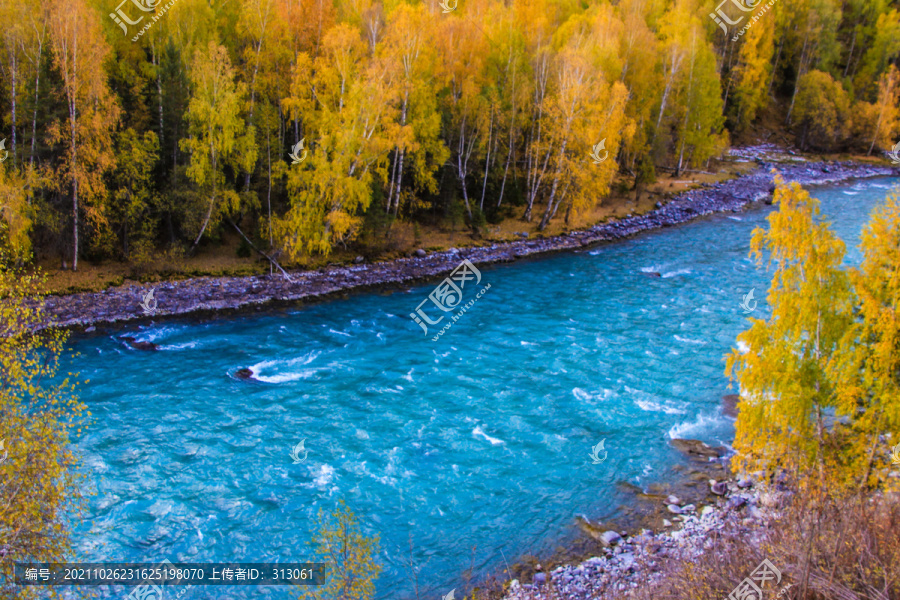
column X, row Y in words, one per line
column 820, row 377
column 163, row 134
column 40, row 494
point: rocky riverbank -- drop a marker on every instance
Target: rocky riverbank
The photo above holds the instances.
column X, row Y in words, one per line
column 733, row 508
column 216, row 294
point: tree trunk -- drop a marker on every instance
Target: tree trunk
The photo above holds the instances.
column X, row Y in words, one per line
column 533, row 180
column 797, row 82
column 269, row 194
column 850, row 55
column 73, row 116
column 212, row 202
column 159, row 94
column 487, row 162
column 665, row 96
column 396, row 202
column 266, row 256
column 253, row 103
column 37, row 86
column 551, row 209
column 775, row 67
column 14, row 68
column 75, row 227
column 399, row 182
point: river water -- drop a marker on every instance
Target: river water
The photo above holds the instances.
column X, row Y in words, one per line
column 457, row 452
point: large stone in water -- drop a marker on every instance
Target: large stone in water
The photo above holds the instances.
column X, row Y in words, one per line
column 696, row 448
column 138, row 345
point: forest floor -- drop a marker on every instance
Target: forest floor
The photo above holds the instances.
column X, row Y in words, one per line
column 222, row 259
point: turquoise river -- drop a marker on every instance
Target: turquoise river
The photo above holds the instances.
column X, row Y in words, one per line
column 458, row 452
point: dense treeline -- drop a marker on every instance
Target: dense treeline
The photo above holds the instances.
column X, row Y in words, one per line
column 145, row 126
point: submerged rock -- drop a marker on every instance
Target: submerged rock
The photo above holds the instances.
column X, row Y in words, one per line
column 696, row 448
column 244, row 373
column 139, row 345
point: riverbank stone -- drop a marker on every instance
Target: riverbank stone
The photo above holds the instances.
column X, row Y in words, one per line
column 610, row 538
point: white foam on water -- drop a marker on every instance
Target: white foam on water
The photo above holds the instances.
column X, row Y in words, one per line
column 694, row 429
column 479, row 432
column 651, row 269
column 287, row 375
column 735, row 218
column 582, row 395
column 408, row 376
column 651, row 406
column 675, row 273
column 849, row 193
column 182, row 346
column 340, row 332
column 689, row 340
column 323, row 476
column 151, row 334
column 161, row 508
